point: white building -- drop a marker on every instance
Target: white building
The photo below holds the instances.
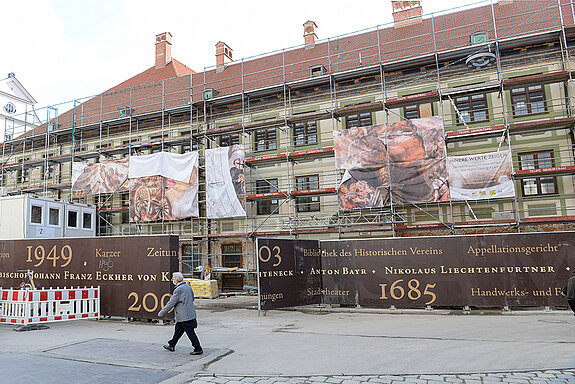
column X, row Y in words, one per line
column 17, row 114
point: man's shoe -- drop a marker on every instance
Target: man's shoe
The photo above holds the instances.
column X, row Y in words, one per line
column 196, row 352
column 169, row 348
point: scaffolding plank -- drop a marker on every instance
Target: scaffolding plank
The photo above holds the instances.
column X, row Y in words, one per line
column 267, row 195
column 266, row 158
column 415, row 98
column 265, row 122
column 539, row 78
column 465, row 89
column 312, row 152
column 545, row 171
column 315, row 230
column 547, row 219
column 369, row 106
column 308, row 116
column 315, row 191
column 476, row 131
column 224, row 129
column 561, row 122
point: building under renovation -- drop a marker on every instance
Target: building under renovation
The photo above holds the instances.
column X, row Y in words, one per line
column 459, row 122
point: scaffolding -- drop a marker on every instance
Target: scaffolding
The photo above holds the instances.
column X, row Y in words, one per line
column 501, row 82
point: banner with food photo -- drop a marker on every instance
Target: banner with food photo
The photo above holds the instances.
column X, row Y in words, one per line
column 482, row 176
column 106, row 176
column 225, row 182
column 417, row 157
column 163, row 186
column 403, row 161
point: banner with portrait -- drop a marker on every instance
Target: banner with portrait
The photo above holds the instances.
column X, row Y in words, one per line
column 403, row 162
column 163, row 186
column 482, row 176
column 225, row 182
column 106, row 176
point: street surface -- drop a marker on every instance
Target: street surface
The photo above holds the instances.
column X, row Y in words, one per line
column 311, row 345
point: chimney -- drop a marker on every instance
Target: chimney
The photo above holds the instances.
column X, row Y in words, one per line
column 309, row 35
column 163, row 49
column 406, row 13
column 223, row 55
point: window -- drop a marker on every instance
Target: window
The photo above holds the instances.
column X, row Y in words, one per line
column 264, row 206
column 191, row 146
column 50, row 173
column 24, row 175
column 535, row 186
column 266, row 139
column 73, row 219
column 479, row 38
column 103, row 200
column 232, row 255
column 229, row 139
column 317, row 70
column 125, row 112
column 307, row 203
column 359, row 120
column 125, row 199
column 87, row 220
column 305, row 133
column 418, row 111
column 9, row 130
column 210, row 93
column 36, row 214
column 472, row 108
column 528, row 100
column 191, row 257
column 54, row 216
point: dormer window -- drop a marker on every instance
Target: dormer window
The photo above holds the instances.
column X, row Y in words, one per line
column 479, row 38
column 317, row 70
column 210, row 93
column 124, row 112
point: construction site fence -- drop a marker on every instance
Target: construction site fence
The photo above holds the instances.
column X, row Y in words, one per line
column 25, row 306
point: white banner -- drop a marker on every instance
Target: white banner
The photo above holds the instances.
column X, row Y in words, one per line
column 483, row 176
column 171, row 165
column 225, row 183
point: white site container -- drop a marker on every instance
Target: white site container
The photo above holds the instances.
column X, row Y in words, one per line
column 28, row 216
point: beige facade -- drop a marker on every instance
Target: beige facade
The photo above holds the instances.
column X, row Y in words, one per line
column 518, row 96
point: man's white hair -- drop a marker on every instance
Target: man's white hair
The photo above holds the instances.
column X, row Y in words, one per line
column 178, row 276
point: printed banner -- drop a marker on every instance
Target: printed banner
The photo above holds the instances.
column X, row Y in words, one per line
column 133, row 272
column 483, row 176
column 280, row 284
column 106, row 176
column 225, row 182
column 403, row 162
column 160, row 197
column 528, row 269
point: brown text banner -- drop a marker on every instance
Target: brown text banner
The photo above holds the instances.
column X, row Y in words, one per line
column 498, row 270
column 282, row 278
column 527, row 269
column 133, row 272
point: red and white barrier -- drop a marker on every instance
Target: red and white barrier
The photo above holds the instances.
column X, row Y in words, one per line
column 48, row 305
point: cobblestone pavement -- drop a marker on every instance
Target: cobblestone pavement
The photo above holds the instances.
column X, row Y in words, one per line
column 531, row 377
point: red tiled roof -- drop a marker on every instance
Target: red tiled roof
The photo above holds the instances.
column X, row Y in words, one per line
column 173, row 69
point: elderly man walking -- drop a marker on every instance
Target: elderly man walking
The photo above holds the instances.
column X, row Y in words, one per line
column 182, row 301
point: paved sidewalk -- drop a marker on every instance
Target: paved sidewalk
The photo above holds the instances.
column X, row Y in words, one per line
column 534, row 377
column 310, row 345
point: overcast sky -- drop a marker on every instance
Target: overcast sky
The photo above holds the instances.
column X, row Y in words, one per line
column 68, row 49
